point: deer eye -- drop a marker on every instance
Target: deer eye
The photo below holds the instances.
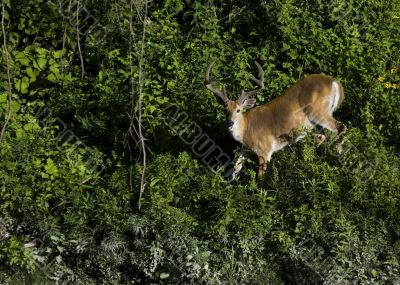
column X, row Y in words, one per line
column 238, row 110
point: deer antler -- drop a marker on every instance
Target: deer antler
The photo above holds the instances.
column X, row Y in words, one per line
column 260, row 82
column 209, row 84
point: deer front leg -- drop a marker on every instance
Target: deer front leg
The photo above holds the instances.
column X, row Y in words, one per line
column 239, row 164
column 264, row 156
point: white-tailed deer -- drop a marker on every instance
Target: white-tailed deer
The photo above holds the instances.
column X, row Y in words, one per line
column 264, row 129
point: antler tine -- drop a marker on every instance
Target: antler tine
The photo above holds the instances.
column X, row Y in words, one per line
column 243, row 96
column 209, row 84
column 259, row 82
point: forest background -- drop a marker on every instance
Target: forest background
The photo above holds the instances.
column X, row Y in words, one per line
column 101, row 184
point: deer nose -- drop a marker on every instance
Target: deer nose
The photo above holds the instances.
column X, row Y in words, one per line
column 230, row 123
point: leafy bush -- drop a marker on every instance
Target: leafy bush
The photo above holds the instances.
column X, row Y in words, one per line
column 70, row 167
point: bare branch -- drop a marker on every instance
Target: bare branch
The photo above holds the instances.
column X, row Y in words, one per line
column 136, row 105
column 65, row 26
column 79, row 40
column 9, row 100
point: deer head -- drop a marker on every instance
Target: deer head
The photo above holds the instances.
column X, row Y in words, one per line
column 244, row 100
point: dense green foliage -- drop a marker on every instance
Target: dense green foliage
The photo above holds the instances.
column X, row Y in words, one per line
column 70, row 170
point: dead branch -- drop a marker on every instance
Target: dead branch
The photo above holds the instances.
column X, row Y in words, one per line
column 9, row 100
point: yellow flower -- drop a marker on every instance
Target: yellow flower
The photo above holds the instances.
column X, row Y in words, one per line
column 387, row 85
column 381, row 78
column 393, row 70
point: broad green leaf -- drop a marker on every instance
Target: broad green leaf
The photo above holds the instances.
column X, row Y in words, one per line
column 171, row 84
column 22, row 85
column 32, row 74
column 19, row 133
column 30, row 126
column 58, row 54
column 21, row 24
column 3, row 97
column 15, row 106
column 52, row 77
column 51, row 168
column 67, row 77
column 40, row 63
column 152, row 108
column 22, row 58
column 41, row 51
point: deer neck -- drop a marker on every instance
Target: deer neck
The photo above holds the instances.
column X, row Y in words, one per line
column 238, row 129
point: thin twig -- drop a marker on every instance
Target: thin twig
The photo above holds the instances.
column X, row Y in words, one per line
column 65, row 26
column 9, row 100
column 129, row 132
column 141, row 84
column 79, row 40
column 136, row 111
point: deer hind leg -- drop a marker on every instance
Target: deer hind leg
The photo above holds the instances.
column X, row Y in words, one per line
column 341, row 131
column 319, row 139
column 328, row 122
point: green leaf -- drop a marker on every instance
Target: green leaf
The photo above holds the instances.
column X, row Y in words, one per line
column 51, row 168
column 171, row 84
column 3, row 97
column 40, row 63
column 21, row 24
column 41, row 51
column 152, row 109
column 22, row 58
column 22, row 85
column 6, row 15
column 52, row 77
column 32, row 74
column 67, row 77
column 164, row 275
column 58, row 54
column 30, row 126
column 154, row 181
column 19, row 133
column 286, row 46
column 15, row 106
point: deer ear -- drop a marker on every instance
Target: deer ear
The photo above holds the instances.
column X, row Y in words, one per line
column 249, row 103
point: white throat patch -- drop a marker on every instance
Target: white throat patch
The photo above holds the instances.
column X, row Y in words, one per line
column 235, row 131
